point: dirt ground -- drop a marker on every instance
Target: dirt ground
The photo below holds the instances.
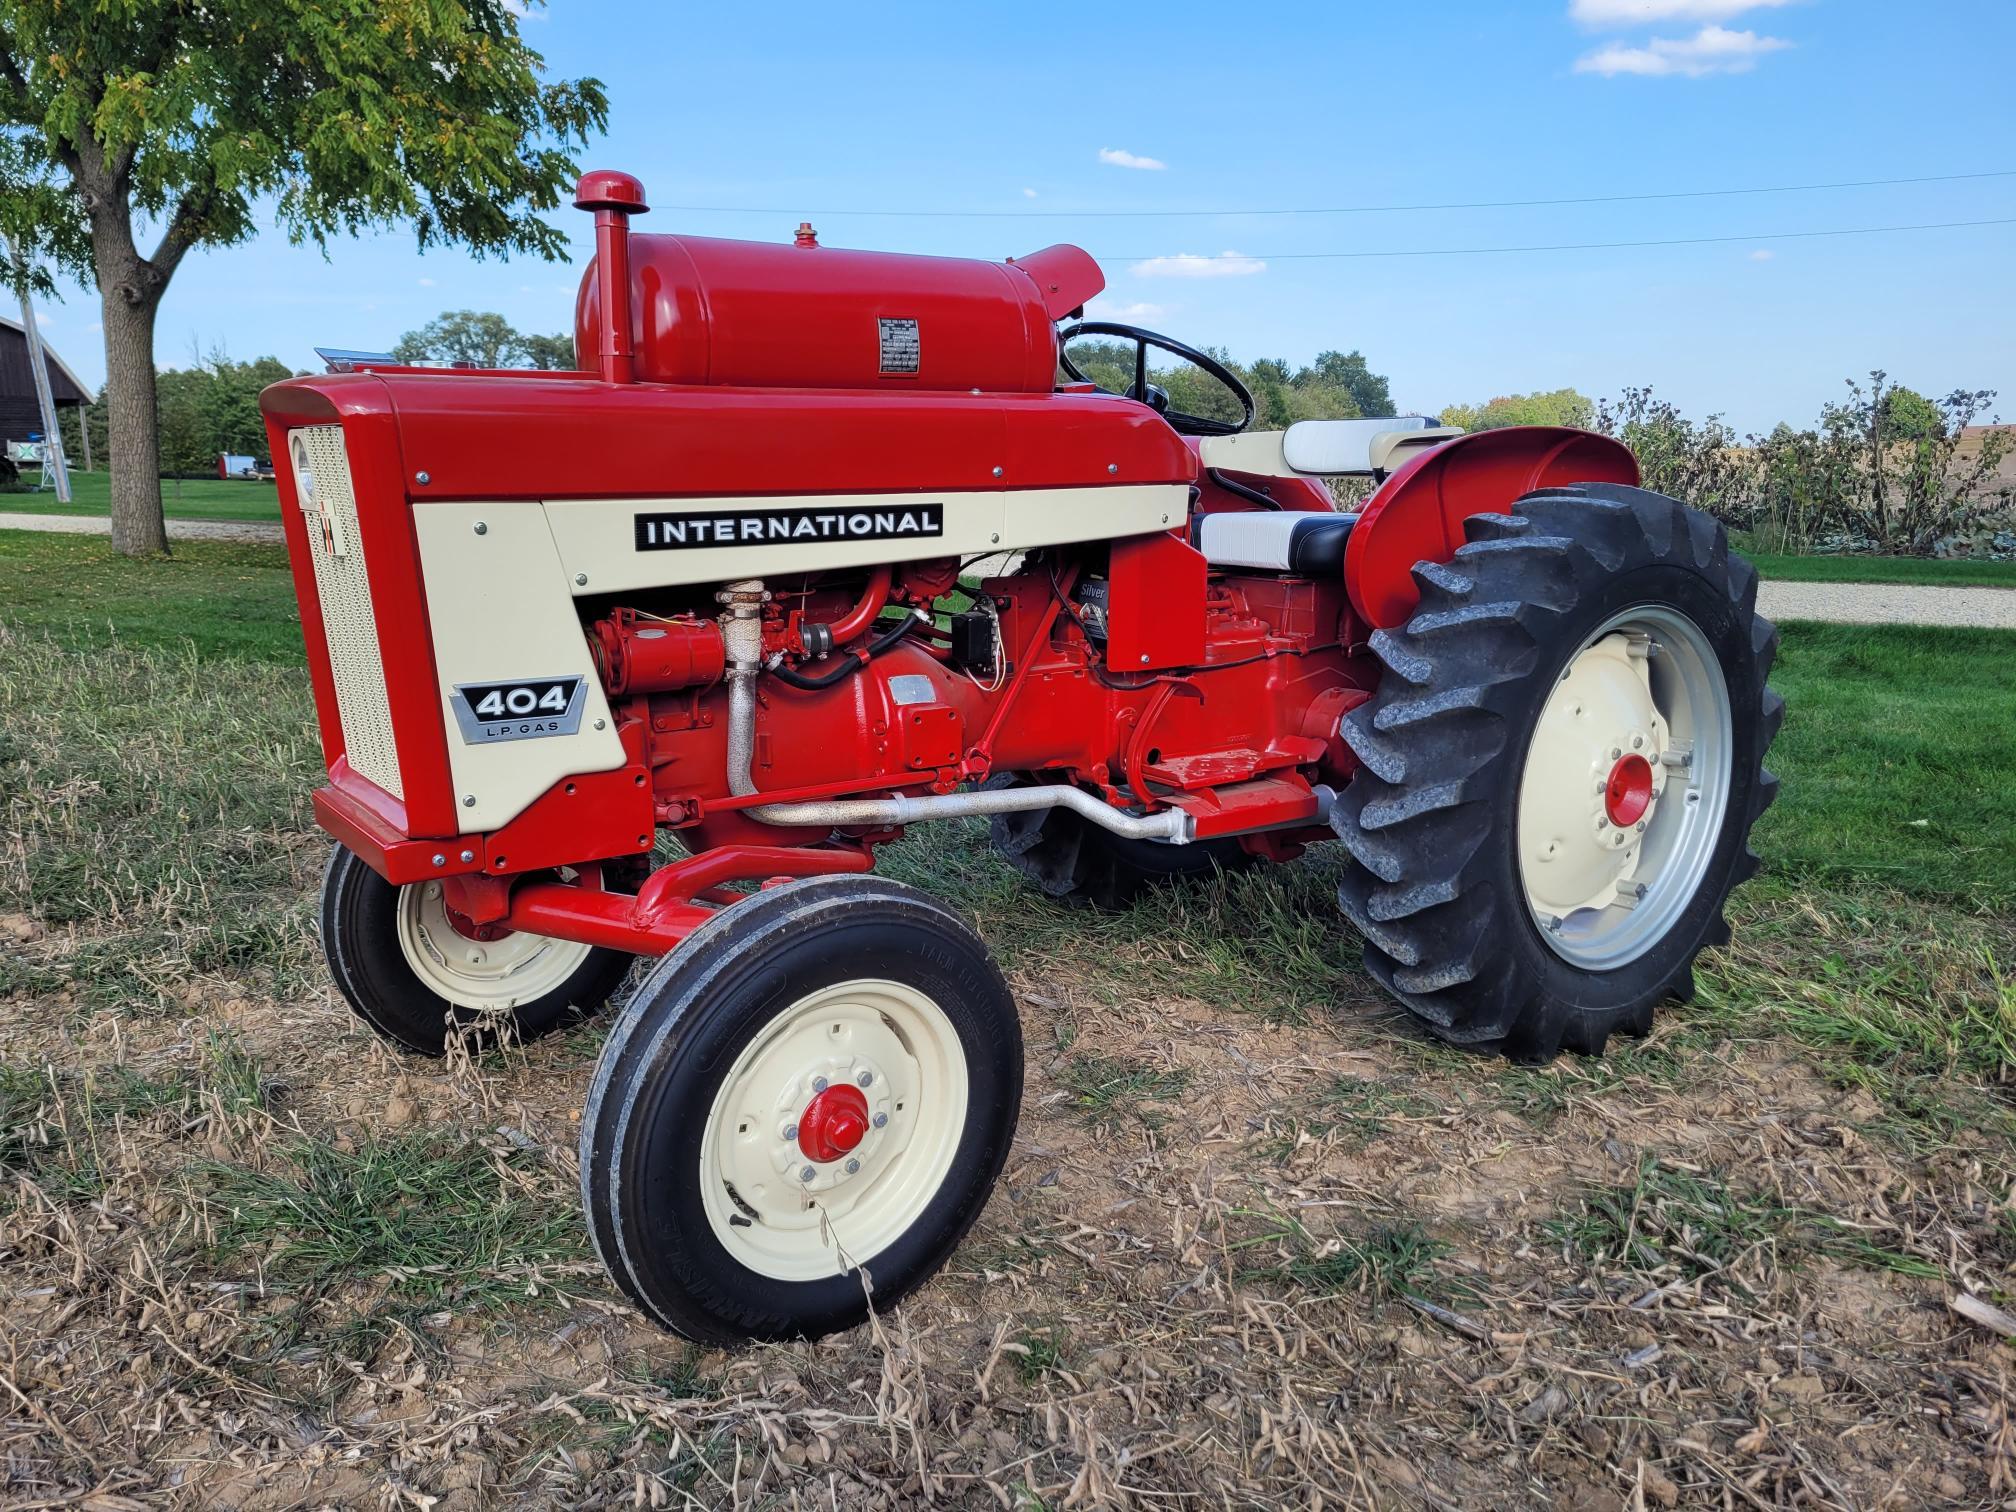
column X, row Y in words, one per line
column 1259, row 1244
column 1233, row 1263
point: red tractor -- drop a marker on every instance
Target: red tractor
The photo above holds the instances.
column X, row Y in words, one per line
column 819, row 547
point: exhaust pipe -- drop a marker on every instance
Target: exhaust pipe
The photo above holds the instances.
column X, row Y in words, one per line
column 742, row 632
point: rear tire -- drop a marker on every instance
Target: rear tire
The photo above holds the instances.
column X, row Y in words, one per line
column 709, row 1205
column 394, row 956
column 1075, row 861
column 1529, row 903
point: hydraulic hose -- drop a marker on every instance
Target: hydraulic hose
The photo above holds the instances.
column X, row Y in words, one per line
column 852, row 661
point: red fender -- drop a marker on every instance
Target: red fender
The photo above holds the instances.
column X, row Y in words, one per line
column 1417, row 515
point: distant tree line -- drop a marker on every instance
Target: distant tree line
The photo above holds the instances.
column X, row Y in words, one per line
column 1336, row 386
column 1885, row 469
column 480, row 338
column 202, row 411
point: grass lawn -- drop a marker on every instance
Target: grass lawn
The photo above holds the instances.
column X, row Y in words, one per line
column 1876, row 569
column 1249, row 1209
column 1897, row 760
column 224, row 598
column 182, row 498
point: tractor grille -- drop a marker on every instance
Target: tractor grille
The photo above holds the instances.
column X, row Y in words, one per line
column 344, row 587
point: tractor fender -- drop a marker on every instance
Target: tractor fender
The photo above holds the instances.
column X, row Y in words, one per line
column 1417, row 515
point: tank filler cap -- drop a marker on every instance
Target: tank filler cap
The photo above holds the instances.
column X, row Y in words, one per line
column 806, row 236
column 608, row 189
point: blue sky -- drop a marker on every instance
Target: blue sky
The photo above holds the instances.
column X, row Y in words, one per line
column 1034, row 109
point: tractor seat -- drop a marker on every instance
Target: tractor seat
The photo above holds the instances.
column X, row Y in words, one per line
column 1299, row 541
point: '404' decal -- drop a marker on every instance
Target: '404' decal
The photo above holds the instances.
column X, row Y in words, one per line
column 522, row 710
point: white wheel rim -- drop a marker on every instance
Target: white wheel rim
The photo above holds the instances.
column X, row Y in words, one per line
column 487, row 976
column 897, row 1048
column 1604, row 879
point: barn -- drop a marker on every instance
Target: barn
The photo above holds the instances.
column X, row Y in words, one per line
column 20, row 416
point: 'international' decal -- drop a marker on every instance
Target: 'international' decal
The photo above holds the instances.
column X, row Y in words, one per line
column 777, row 527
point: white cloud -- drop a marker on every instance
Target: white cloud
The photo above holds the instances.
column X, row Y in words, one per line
column 1106, row 309
column 1623, row 13
column 1711, row 50
column 1028, row 194
column 95, row 328
column 426, row 283
column 42, row 319
column 1762, row 254
column 1193, row 265
column 1120, row 157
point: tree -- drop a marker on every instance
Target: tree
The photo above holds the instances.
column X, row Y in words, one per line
column 467, row 338
column 1280, row 398
column 553, row 354
column 1562, row 406
column 1369, row 391
column 206, row 120
column 1909, row 416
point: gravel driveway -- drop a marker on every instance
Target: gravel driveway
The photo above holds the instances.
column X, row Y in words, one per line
column 178, row 530
column 1888, row 604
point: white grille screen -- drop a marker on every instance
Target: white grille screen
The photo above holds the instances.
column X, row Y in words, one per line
column 345, row 590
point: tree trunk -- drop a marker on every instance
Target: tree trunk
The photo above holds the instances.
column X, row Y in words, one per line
column 134, row 449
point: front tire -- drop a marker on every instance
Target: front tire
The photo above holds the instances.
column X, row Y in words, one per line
column 824, row 1080
column 1560, row 771
column 407, row 971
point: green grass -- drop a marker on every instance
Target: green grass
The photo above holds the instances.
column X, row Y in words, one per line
column 1897, row 758
column 156, row 801
column 224, row 599
column 181, row 499
column 431, row 1217
column 1697, row 1223
column 1877, row 569
column 1105, row 1087
column 1387, row 1259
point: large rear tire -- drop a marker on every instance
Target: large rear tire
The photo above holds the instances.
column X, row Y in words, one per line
column 824, row 1080
column 1560, row 771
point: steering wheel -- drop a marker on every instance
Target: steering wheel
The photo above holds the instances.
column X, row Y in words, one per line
column 1152, row 395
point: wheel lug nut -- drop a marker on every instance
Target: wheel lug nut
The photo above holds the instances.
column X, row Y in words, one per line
column 866, row 1078
column 790, row 1131
column 1641, row 826
column 881, row 1120
column 807, row 1174
column 1637, row 741
column 1616, row 752
column 818, row 1084
column 853, row 1166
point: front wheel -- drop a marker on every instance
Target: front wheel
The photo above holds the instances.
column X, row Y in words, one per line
column 1560, row 771
column 801, row 1111
column 416, row 973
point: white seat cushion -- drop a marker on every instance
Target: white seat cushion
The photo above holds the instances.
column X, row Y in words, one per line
column 1270, row 540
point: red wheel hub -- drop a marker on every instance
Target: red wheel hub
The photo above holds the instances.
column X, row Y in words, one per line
column 1628, row 793
column 833, row 1123
column 469, row 929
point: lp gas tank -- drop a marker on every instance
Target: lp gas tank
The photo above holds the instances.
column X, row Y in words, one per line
column 761, row 315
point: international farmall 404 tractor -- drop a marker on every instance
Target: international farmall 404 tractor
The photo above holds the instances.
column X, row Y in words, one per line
column 820, row 546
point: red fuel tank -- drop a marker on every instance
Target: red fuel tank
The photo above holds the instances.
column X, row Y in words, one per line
column 760, row 315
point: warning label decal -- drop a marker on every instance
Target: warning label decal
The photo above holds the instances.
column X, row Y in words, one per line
column 901, row 349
